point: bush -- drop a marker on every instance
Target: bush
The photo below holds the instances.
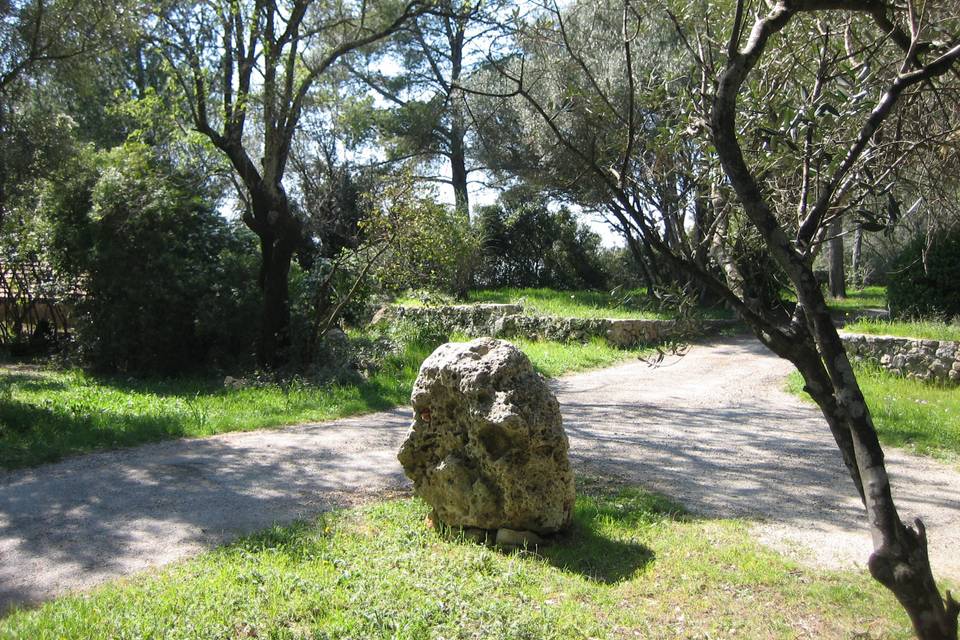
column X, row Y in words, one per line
column 166, row 281
column 527, row 245
column 925, row 281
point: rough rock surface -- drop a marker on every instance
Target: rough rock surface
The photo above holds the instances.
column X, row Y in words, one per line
column 487, row 447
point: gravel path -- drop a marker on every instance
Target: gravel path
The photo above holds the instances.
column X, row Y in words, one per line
column 713, row 429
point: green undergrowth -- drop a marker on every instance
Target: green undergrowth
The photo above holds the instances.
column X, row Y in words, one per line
column 633, row 566
column 924, row 329
column 47, row 414
column 917, row 415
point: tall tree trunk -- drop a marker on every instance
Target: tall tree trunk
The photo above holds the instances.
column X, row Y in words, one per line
column 855, row 266
column 466, row 267
column 458, row 173
column 838, row 279
column 281, row 236
column 274, row 343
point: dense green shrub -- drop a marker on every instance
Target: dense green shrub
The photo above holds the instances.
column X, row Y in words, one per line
column 166, row 280
column 925, row 279
column 526, row 244
column 623, row 272
column 764, row 279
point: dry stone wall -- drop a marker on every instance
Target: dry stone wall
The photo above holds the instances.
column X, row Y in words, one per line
column 930, row 360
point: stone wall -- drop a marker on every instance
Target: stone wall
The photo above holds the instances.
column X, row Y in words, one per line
column 930, row 360
column 508, row 321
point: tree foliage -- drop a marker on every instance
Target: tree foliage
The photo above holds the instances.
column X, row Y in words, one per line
column 154, row 258
column 526, row 244
column 925, row 278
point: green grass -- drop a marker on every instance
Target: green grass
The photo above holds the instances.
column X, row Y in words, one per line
column 45, row 414
column 926, row 329
column 575, row 304
column 567, row 304
column 554, row 359
column 873, row 297
column 631, row 567
column 908, row 413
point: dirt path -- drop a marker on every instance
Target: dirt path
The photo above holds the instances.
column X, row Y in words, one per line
column 713, row 429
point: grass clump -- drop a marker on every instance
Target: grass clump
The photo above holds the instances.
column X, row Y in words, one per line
column 923, row 329
column 47, row 414
column 907, row 413
column 632, row 566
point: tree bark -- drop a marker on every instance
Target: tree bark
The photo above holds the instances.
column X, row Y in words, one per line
column 838, row 277
column 281, row 236
column 899, row 560
column 458, row 173
column 855, row 264
column 274, row 343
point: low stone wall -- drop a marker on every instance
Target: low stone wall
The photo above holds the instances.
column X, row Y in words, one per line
column 508, row 321
column 475, row 320
column 930, row 360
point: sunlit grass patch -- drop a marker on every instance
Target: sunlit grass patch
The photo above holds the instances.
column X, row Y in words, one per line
column 46, row 414
column 923, row 329
column 633, row 565
column 632, row 304
column 918, row 415
column 871, row 297
column 567, row 304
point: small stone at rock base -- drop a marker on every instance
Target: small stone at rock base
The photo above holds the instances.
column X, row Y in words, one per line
column 472, row 534
column 511, row 538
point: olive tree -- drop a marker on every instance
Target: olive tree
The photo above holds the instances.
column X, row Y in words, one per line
column 793, row 122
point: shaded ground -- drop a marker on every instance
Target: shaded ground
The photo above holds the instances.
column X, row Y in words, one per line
column 713, row 430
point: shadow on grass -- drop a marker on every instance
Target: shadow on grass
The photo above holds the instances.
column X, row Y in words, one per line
column 31, row 434
column 600, row 545
column 587, row 551
column 28, row 382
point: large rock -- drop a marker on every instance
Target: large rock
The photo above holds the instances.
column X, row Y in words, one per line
column 487, row 447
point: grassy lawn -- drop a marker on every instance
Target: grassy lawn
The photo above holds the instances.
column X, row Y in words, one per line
column 926, row 329
column 908, row 413
column 45, row 415
column 566, row 304
column 872, row 297
column 633, row 566
column 574, row 304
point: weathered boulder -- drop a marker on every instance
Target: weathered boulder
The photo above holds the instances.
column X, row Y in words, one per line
column 487, row 447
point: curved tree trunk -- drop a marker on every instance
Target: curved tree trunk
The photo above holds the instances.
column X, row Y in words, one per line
column 899, row 560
